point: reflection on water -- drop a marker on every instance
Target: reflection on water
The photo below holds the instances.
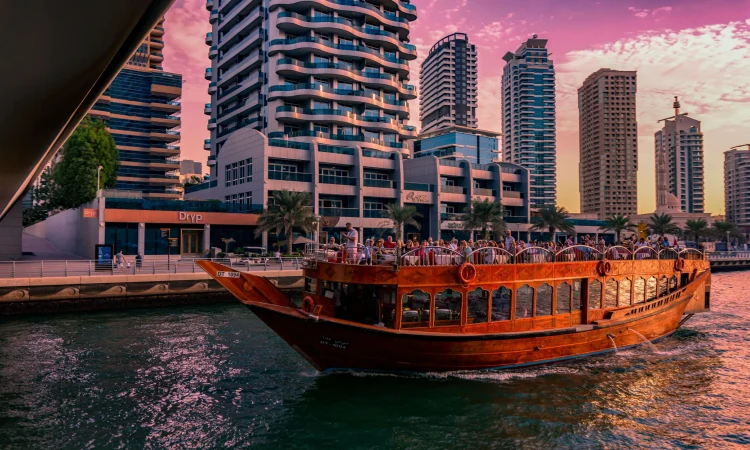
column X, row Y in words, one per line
column 216, row 376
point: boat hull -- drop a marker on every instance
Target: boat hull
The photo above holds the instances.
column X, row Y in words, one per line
column 336, row 345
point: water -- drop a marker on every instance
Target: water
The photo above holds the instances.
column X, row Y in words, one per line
column 650, row 344
column 215, row 376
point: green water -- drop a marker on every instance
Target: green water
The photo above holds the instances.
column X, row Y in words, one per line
column 216, row 377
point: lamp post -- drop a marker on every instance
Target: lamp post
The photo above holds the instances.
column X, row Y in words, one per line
column 98, row 178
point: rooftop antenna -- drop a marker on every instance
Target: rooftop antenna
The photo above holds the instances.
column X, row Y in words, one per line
column 676, row 106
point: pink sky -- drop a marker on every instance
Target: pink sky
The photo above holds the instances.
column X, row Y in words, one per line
column 695, row 49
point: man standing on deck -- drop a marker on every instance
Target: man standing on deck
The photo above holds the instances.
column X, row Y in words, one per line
column 351, row 237
column 510, row 243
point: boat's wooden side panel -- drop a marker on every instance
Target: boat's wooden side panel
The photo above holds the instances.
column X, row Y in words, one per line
column 246, row 287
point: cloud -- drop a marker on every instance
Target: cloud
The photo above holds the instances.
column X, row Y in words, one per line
column 703, row 66
column 644, row 13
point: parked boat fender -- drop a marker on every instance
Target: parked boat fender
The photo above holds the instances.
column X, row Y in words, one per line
column 679, row 264
column 467, row 272
column 308, row 304
column 604, row 268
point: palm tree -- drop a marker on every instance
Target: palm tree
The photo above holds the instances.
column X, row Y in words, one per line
column 397, row 216
column 725, row 230
column 486, row 215
column 553, row 218
column 226, row 242
column 661, row 224
column 617, row 223
column 697, row 228
column 289, row 210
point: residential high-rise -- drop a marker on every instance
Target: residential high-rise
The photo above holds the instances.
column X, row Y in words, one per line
column 474, row 145
column 608, row 137
column 448, row 84
column 141, row 110
column 529, row 117
column 737, row 186
column 679, row 162
column 317, row 71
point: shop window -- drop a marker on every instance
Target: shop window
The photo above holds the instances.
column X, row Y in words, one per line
column 415, row 309
column 563, row 298
column 448, row 308
column 544, row 300
column 501, row 304
column 477, row 305
column 623, row 299
column 524, row 301
column 595, row 295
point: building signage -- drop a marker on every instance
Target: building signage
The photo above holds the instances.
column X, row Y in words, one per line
column 187, row 217
column 89, row 213
column 453, row 225
column 417, row 197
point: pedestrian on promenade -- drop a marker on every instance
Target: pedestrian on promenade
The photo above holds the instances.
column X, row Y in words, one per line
column 138, row 261
column 119, row 259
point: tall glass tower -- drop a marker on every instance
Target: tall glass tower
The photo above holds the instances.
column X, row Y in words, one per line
column 529, row 117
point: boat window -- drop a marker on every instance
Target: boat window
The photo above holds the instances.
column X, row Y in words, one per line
column 662, row 286
column 359, row 303
column 501, row 304
column 563, row 298
column 478, row 303
column 640, row 290
column 610, row 294
column 544, row 300
column 651, row 289
column 415, row 309
column 524, row 301
column 448, row 308
column 311, row 285
column 577, row 304
column 624, row 298
column 388, row 307
column 673, row 284
column 595, row 295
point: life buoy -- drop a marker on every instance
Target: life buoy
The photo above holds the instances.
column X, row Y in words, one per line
column 604, row 268
column 308, row 304
column 679, row 264
column 467, row 272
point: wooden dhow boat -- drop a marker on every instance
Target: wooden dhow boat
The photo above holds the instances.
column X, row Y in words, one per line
column 434, row 310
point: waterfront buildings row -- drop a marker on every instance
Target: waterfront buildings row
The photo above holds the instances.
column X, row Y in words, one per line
column 141, row 110
column 737, row 186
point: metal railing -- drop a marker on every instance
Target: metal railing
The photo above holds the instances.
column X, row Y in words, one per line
column 722, row 256
column 75, row 268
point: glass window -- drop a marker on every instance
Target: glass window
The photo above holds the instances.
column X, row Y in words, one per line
column 249, row 170
column 595, row 295
column 524, row 301
column 623, row 299
column 640, row 290
column 448, row 308
column 311, row 285
column 563, row 298
column 227, row 175
column 544, row 300
column 501, row 304
column 577, row 303
column 673, row 284
column 610, row 294
column 478, row 303
column 651, row 289
column 662, row 286
column 415, row 309
column 318, row 128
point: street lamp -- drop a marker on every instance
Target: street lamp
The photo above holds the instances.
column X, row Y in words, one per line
column 98, row 177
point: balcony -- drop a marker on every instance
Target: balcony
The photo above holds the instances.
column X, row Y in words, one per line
column 212, row 88
column 213, row 52
column 209, row 38
column 387, row 184
column 211, row 160
column 484, row 192
column 452, row 189
column 421, row 187
column 333, row 179
column 335, row 137
column 289, row 144
column 214, row 16
column 290, row 176
column 211, row 124
column 209, row 73
column 209, row 5
column 339, row 212
column 207, row 109
column 362, row 51
column 207, row 144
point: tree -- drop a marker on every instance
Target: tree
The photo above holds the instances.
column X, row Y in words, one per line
column 661, row 224
column 553, row 218
column 617, row 223
column 289, row 210
column 192, row 181
column 725, row 230
column 44, row 196
column 226, row 242
column 697, row 228
column 485, row 215
column 89, row 147
column 397, row 216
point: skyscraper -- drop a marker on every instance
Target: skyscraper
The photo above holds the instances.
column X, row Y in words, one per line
column 737, row 186
column 529, row 116
column 679, row 162
column 317, row 71
column 448, row 84
column 141, row 110
column 608, row 136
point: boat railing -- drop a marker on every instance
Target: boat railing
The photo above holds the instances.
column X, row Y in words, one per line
column 534, row 255
column 431, row 256
column 490, row 255
column 618, row 252
column 691, row 254
column 578, row 253
column 669, row 253
column 645, row 253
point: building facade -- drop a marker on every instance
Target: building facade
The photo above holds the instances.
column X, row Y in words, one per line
column 737, row 187
column 448, row 84
column 477, row 146
column 529, row 117
column 141, row 110
column 679, row 162
column 608, row 143
column 314, row 72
